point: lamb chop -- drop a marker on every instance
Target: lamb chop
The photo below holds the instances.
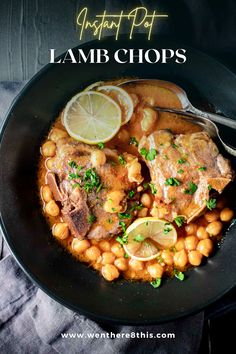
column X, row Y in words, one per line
column 185, row 171
column 93, row 195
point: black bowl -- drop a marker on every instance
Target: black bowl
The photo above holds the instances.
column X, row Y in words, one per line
column 26, row 231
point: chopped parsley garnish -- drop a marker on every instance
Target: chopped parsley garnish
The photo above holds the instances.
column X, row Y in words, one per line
column 92, row 180
column 121, row 160
column 153, row 188
column 180, row 171
column 136, row 207
column 133, row 141
column 209, row 187
column 123, row 226
column 156, row 283
column 76, row 185
column 172, row 182
column 165, row 157
column 131, row 194
column 149, row 155
column 179, row 275
column 139, row 238
column 110, row 221
column 73, row 175
column 174, row 146
column 179, row 220
column 167, row 228
column 160, row 259
column 91, row 218
column 126, row 255
column 124, row 215
column 73, row 164
column 192, row 187
column 181, row 161
column 211, row 203
column 101, row 146
column 202, row 168
column 122, row 239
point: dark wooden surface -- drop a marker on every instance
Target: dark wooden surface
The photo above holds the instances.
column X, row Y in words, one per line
column 28, row 28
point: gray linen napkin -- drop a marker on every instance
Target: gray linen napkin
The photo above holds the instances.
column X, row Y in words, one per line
column 31, row 322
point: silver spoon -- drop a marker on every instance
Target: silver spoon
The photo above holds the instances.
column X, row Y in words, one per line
column 189, row 112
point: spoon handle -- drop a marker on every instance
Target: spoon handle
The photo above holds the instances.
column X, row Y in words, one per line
column 192, row 112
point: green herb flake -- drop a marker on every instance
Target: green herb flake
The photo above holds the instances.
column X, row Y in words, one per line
column 124, row 215
column 192, row 187
column 172, row 182
column 110, row 221
column 92, row 180
column 209, row 187
column 136, row 207
column 126, row 255
column 211, row 203
column 139, row 238
column 73, row 175
column 153, row 188
column 131, row 194
column 73, row 164
column 133, row 141
column 143, row 151
column 101, row 146
column 179, row 275
column 167, row 228
column 174, row 146
column 76, row 185
column 202, row 168
column 121, row 159
column 179, row 220
column 91, row 219
column 122, row 240
column 152, row 153
column 165, row 157
column 156, row 283
column 181, row 161
column 180, row 171
column 123, row 226
column 160, row 259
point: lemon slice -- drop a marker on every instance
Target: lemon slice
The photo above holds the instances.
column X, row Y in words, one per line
column 122, row 98
column 92, row 117
column 94, row 85
column 146, row 236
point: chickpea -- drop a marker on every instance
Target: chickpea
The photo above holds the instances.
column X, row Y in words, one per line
column 123, row 136
column 57, row 134
column 93, row 253
column 214, row 228
column 212, row 215
column 148, row 120
column 79, row 246
column 191, row 242
column 49, row 149
column 155, row 270
column 117, row 249
column 110, row 272
column 134, row 171
column 136, row 265
column 180, row 259
column 201, row 233
column 195, row 258
column 191, row 229
column 167, row 257
column 179, row 244
column 50, row 163
column 105, row 245
column 112, row 204
column 98, row 158
column 226, row 214
column 143, row 212
column 146, row 200
column 52, row 208
column 46, row 193
column 108, row 258
column 60, row 230
column 121, row 263
column 134, row 98
column 205, row 247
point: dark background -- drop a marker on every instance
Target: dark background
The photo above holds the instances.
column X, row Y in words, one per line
column 28, row 28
